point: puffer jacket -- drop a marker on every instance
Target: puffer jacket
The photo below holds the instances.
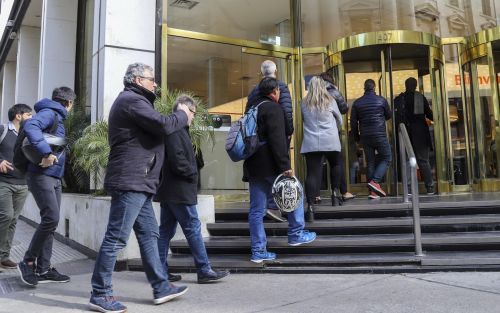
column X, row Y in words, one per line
column 339, row 98
column 35, row 127
column 285, row 102
column 368, row 116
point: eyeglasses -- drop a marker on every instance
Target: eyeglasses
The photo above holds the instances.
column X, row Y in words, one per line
column 151, row 79
column 194, row 112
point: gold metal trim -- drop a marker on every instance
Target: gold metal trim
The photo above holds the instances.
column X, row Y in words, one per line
column 453, row 40
column 384, row 37
column 483, row 37
column 474, row 53
column 268, row 53
column 314, row 50
column 226, row 40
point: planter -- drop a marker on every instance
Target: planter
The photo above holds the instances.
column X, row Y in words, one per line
column 83, row 221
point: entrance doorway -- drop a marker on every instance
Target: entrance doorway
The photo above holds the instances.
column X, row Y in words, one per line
column 389, row 58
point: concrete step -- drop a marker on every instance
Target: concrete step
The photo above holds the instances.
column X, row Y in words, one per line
column 388, row 225
column 469, row 241
column 396, row 262
column 373, row 209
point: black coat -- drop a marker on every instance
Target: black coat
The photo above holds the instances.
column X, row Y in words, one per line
column 416, row 124
column 339, row 98
column 285, row 102
column 368, row 116
column 271, row 158
column 179, row 176
column 136, row 138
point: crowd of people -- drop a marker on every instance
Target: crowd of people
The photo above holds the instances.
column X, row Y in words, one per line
column 152, row 159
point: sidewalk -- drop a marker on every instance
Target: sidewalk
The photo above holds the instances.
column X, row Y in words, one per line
column 411, row 293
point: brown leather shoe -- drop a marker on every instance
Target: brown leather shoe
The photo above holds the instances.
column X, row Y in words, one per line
column 8, row 264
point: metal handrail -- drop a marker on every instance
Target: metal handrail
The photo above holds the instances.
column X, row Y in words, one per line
column 406, row 149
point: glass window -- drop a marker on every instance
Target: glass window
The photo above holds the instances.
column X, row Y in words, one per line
column 222, row 76
column 257, row 20
column 486, row 6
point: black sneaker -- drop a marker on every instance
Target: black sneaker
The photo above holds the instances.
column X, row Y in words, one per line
column 52, row 276
column 27, row 273
column 211, row 275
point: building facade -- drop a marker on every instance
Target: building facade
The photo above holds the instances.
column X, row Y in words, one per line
column 214, row 48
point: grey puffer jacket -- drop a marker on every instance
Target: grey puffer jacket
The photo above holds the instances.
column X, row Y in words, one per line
column 321, row 129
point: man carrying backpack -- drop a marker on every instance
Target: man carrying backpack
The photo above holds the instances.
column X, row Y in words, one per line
column 13, row 189
column 262, row 168
column 268, row 69
column 44, row 182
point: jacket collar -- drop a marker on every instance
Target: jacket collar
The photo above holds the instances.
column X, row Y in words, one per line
column 151, row 96
column 369, row 92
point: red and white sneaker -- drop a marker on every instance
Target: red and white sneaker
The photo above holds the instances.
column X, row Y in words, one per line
column 373, row 196
column 375, row 187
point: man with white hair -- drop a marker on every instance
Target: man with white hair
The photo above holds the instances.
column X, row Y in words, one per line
column 268, row 69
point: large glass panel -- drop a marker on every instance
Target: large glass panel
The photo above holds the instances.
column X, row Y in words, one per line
column 457, row 118
column 325, row 20
column 257, row 20
column 472, row 118
column 222, row 76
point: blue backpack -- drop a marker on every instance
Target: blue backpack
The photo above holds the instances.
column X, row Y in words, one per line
column 242, row 140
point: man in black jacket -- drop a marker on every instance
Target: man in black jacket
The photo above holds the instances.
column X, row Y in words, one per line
column 136, row 137
column 178, row 196
column 412, row 109
column 13, row 189
column 268, row 69
column 262, row 168
column 368, row 116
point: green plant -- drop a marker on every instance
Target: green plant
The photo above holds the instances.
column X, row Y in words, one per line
column 92, row 149
column 75, row 178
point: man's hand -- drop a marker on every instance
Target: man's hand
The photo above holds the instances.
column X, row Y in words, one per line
column 5, row 166
column 288, row 173
column 185, row 108
column 48, row 161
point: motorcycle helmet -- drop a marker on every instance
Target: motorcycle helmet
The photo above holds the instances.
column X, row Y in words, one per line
column 57, row 144
column 287, row 193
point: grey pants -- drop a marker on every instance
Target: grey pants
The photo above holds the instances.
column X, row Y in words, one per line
column 46, row 191
column 12, row 199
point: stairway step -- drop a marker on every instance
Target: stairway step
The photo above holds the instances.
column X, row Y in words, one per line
column 354, row 243
column 479, row 222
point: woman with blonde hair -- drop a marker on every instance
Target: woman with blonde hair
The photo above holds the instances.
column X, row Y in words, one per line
column 322, row 121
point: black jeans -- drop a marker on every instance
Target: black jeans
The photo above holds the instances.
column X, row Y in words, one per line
column 314, row 167
column 46, row 191
column 340, row 173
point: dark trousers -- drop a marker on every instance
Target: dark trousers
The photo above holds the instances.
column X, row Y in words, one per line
column 422, row 156
column 377, row 163
column 187, row 216
column 46, row 191
column 339, row 171
column 314, row 172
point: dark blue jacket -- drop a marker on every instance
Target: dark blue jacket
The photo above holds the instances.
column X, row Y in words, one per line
column 136, row 137
column 368, row 116
column 285, row 101
column 41, row 122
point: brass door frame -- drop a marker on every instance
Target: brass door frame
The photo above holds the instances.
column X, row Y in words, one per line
column 477, row 46
column 439, row 95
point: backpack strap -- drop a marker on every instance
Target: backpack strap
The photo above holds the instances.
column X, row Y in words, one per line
column 4, row 132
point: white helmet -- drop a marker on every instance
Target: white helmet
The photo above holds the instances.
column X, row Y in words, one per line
column 287, row 193
column 57, row 144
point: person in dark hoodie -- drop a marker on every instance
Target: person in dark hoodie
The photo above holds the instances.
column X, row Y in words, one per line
column 268, row 69
column 178, row 194
column 44, row 183
column 136, row 137
column 262, row 168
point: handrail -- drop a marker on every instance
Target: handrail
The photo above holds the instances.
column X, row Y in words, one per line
column 406, row 149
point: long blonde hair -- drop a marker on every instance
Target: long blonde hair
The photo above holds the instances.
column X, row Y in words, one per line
column 318, row 98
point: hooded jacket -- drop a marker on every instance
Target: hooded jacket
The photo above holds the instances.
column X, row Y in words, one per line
column 40, row 123
column 136, row 137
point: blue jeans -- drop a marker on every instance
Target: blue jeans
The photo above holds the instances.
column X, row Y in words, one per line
column 259, row 191
column 383, row 159
column 187, row 216
column 130, row 210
